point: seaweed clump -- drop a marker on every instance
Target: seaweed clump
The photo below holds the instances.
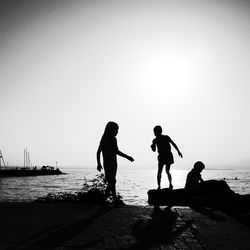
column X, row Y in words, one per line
column 92, row 192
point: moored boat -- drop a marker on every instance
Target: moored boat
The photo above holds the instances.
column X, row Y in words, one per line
column 27, row 169
column 16, row 172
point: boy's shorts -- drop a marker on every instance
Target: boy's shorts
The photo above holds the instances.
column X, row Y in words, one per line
column 166, row 159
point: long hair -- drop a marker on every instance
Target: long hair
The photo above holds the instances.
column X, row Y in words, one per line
column 110, row 129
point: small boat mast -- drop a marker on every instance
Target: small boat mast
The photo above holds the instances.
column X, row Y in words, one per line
column 1, row 160
column 26, row 161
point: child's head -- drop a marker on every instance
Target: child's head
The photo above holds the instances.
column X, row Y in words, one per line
column 199, row 166
column 111, row 129
column 157, row 130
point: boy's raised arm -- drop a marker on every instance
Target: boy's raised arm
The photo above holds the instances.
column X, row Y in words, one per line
column 153, row 147
column 175, row 146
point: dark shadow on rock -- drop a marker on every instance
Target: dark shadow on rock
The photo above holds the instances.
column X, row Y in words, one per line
column 161, row 228
column 237, row 207
column 211, row 213
column 244, row 218
column 58, row 236
column 93, row 244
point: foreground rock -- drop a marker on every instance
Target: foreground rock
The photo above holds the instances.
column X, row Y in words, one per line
column 215, row 195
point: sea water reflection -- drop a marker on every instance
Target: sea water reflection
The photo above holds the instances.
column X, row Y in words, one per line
column 132, row 184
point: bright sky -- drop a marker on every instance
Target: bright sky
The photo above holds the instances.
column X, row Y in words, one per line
column 69, row 67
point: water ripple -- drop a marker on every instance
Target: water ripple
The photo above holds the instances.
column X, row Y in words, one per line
column 131, row 184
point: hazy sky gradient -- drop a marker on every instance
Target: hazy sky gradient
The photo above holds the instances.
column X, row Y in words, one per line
column 68, row 67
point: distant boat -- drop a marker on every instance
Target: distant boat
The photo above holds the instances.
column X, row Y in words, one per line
column 27, row 169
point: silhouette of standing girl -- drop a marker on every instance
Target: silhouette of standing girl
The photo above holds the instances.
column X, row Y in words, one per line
column 108, row 147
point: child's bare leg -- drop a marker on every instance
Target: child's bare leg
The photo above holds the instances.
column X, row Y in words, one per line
column 113, row 189
column 169, row 177
column 107, row 191
column 160, row 166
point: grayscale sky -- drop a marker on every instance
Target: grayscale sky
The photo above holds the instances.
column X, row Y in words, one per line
column 69, row 67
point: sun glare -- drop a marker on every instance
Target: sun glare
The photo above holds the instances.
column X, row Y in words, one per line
column 169, row 75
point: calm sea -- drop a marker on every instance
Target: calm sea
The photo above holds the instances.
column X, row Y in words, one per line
column 132, row 184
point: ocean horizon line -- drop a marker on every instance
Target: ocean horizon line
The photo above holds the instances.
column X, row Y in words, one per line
column 129, row 168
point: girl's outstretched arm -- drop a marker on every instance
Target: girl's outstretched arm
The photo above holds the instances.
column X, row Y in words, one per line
column 99, row 165
column 125, row 156
column 175, row 146
column 118, row 152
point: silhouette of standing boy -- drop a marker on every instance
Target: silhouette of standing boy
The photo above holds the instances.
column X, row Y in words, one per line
column 165, row 157
column 108, row 147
